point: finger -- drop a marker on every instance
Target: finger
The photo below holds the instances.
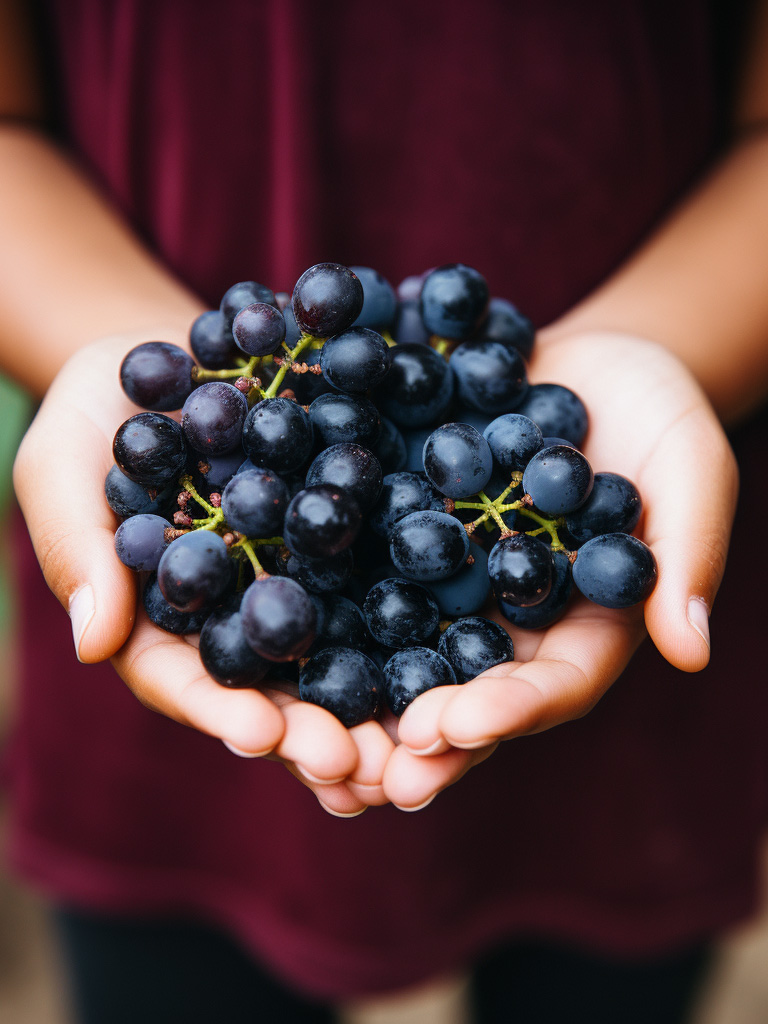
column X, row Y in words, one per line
column 59, row 479
column 577, row 661
column 419, row 727
column 690, row 506
column 374, row 748
column 412, row 782
column 166, row 675
column 316, row 742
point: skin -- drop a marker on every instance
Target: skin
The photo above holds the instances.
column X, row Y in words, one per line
column 681, row 326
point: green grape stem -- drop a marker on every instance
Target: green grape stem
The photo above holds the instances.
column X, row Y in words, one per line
column 304, row 342
column 498, row 507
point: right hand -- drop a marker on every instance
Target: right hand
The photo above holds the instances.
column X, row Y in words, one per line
column 59, row 479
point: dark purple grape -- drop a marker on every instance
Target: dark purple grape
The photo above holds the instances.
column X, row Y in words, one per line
column 149, row 448
column 279, row 618
column 127, row 498
column 410, row 673
column 490, row 377
column 466, row 592
column 556, row 411
column 168, row 618
column 292, row 329
column 157, row 376
column 343, row 625
column 255, row 502
column 212, row 418
column 614, row 506
column 514, row 440
column 457, row 460
column 428, row 545
column 475, row 418
column 454, row 301
column 350, row 467
column 215, row 471
column 548, row 611
column 195, row 570
column 409, row 289
column 259, row 329
column 615, row 570
column 379, row 300
column 243, row 294
column 317, row 575
column 327, row 300
column 321, row 521
column 356, row 360
column 212, row 343
column 338, row 419
column 401, row 614
column 278, row 433
column 408, row 326
column 401, row 494
column 418, row 388
column 521, row 570
column 140, row 542
column 507, row 324
column 390, row 447
column 225, row 653
column 343, row 681
column 559, row 480
column 474, row 645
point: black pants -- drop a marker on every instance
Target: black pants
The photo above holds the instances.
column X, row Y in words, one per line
column 144, row 972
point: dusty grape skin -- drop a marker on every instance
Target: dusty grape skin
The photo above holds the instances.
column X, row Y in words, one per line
column 411, row 672
column 513, row 440
column 356, row 360
column 277, row 433
column 165, row 616
column 157, row 376
column 279, row 619
column 557, row 412
column 127, row 498
column 505, row 323
column 321, row 521
column 259, row 329
column 194, row 571
column 211, row 341
column 418, row 388
column 350, row 467
column 317, row 575
column 149, row 448
column 548, row 611
column 400, row 613
column 457, row 460
column 520, row 569
column 338, row 419
column 242, row 294
column 615, row 570
column 212, row 418
column 343, row 681
column 614, row 506
column 466, row 592
column 473, row 645
column 254, row 503
column 379, row 300
column 343, row 624
column 403, row 493
column 390, row 447
column 559, row 479
column 428, row 546
column 140, row 542
column 225, row 653
column 490, row 377
column 453, row 301
column 327, row 299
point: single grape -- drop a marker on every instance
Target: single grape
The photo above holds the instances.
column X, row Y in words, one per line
column 278, row 433
column 559, row 480
column 428, row 545
column 454, row 301
column 127, row 498
column 166, row 616
column 212, row 343
column 548, row 611
column 490, row 377
column 340, row 418
column 457, row 460
column 343, row 681
column 390, row 448
column 556, row 411
column 409, row 289
column 149, row 448
column 410, row 673
column 615, row 570
column 157, row 376
column 475, row 418
column 507, row 324
column 279, row 618
column 400, row 613
column 321, row 521
column 350, row 467
column 215, row 471
column 212, row 418
column 224, row 651
column 514, row 440
column 614, row 506
column 317, row 575
column 327, row 299
column 140, row 542
column 379, row 300
column 401, row 494
column 255, row 502
column 195, row 570
column 242, row 294
column 343, row 625
column 292, row 329
column 474, row 645
column 418, row 388
column 466, row 592
column 259, row 329
column 408, row 326
column 356, row 360
column 520, row 568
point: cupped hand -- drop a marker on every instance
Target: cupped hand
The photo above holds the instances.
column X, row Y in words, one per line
column 59, row 479
column 649, row 421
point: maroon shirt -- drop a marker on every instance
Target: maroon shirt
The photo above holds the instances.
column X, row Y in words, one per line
column 538, row 143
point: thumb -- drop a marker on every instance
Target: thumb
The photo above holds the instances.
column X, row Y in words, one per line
column 691, row 486
column 59, row 476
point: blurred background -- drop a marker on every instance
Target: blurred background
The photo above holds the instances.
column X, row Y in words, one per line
column 31, row 987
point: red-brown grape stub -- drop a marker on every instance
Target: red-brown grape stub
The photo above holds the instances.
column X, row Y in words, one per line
column 357, row 472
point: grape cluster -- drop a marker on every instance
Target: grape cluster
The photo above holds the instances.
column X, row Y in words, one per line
column 354, row 472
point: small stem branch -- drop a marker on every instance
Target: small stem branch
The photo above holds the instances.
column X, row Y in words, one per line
column 303, row 343
column 242, row 368
column 186, row 483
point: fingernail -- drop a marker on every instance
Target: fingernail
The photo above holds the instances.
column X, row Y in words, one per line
column 81, row 610
column 418, row 807
column 313, row 778
column 438, row 747
column 698, row 616
column 245, row 753
column 338, row 814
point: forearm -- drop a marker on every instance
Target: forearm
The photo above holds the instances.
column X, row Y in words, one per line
column 699, row 285
column 71, row 270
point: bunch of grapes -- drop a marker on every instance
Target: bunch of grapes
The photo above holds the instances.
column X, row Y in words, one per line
column 354, row 472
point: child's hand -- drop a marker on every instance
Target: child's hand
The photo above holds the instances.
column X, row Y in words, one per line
column 651, row 422
column 59, row 479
